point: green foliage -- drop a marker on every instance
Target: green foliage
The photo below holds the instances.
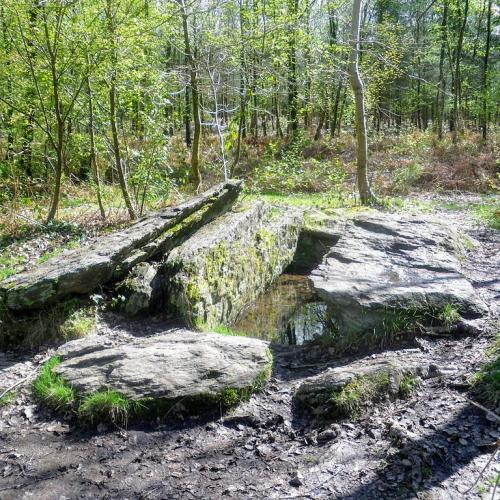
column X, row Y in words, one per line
column 488, row 214
column 406, row 177
column 51, row 389
column 287, row 171
column 220, row 329
column 78, row 323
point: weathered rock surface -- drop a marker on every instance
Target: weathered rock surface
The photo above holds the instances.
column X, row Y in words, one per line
column 81, row 270
column 389, row 263
column 141, row 290
column 229, row 262
column 319, row 233
column 315, row 392
column 170, row 365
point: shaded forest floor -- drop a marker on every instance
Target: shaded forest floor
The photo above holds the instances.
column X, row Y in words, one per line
column 432, row 445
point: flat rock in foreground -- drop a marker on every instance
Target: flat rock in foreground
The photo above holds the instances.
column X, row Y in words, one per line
column 171, row 365
column 389, row 264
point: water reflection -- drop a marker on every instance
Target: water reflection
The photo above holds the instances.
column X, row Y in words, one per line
column 288, row 313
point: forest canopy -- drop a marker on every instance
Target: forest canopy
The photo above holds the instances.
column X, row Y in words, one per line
column 133, row 99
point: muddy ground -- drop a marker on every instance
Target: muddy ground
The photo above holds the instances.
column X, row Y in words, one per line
column 432, row 445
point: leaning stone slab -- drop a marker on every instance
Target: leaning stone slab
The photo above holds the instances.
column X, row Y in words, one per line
column 229, row 262
column 387, row 266
column 364, row 382
column 167, row 366
column 80, row 271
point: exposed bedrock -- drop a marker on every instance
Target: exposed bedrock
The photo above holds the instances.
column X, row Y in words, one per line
column 226, row 264
column 166, row 366
column 387, row 271
column 111, row 256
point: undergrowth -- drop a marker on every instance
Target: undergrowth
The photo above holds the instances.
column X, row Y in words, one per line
column 349, row 401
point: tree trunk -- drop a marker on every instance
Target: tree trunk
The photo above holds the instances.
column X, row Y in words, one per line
column 292, row 69
column 442, row 80
column 93, row 157
column 112, row 117
column 484, row 117
column 357, row 87
column 195, row 98
column 457, row 77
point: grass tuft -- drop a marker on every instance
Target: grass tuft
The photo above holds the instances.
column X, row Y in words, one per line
column 108, row 406
column 350, row 400
column 449, row 315
column 407, row 385
column 51, row 389
column 486, row 382
column 8, row 398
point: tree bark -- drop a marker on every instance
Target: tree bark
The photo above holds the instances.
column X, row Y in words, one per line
column 195, row 100
column 93, row 156
column 112, row 116
column 442, row 80
column 292, row 69
column 365, row 193
column 457, row 126
column 484, row 117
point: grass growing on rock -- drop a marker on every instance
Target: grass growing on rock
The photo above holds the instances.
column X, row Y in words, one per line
column 407, row 385
column 390, row 325
column 50, row 389
column 67, row 320
column 350, row 400
column 108, row 406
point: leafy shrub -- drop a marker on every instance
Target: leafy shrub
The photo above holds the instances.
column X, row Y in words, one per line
column 288, row 172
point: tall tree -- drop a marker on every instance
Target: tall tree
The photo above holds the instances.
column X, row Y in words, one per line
column 365, row 193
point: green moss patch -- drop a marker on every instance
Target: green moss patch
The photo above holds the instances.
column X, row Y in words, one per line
column 106, row 406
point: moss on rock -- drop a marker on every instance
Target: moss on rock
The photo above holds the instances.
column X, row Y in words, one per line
column 228, row 263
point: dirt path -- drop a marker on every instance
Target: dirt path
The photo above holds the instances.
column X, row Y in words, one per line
column 432, row 445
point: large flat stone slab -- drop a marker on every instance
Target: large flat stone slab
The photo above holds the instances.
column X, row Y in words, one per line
column 391, row 264
column 170, row 366
column 225, row 265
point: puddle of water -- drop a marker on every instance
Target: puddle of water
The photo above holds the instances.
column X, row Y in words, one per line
column 287, row 313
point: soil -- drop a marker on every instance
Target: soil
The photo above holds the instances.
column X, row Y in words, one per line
column 432, row 445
